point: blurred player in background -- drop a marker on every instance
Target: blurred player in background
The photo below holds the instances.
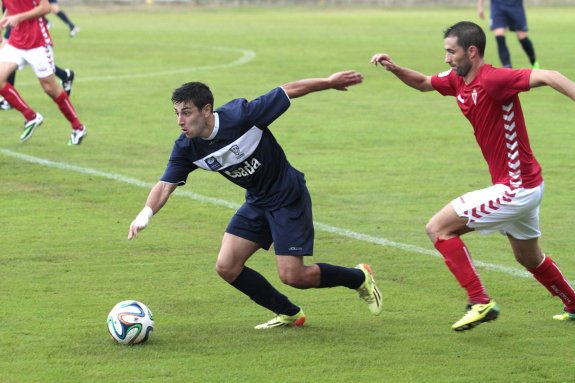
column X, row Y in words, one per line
column 235, row 141
column 4, row 105
column 488, row 97
column 30, row 44
column 66, row 76
column 509, row 14
column 55, row 8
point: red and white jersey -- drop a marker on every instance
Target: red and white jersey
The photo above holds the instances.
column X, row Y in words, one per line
column 31, row 33
column 491, row 103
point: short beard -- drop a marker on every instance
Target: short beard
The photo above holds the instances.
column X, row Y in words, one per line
column 463, row 68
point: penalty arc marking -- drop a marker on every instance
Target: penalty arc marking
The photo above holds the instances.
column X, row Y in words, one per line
column 246, row 55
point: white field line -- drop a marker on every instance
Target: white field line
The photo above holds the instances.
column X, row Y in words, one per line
column 231, row 205
column 246, row 56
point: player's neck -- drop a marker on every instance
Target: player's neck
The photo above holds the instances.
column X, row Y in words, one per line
column 209, row 129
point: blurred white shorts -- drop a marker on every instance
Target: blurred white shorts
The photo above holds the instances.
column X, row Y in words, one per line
column 501, row 208
column 40, row 59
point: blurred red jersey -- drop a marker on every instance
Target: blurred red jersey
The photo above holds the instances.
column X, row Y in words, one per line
column 491, row 103
column 31, row 33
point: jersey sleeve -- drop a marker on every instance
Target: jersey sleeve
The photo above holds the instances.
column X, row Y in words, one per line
column 265, row 109
column 178, row 168
column 443, row 83
column 504, row 83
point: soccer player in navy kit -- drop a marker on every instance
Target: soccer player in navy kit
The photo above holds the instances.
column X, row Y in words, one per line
column 55, row 8
column 509, row 14
column 236, row 142
column 488, row 97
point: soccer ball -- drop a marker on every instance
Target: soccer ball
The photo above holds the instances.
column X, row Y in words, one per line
column 130, row 322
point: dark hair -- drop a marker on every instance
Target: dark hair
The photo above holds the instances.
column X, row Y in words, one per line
column 196, row 92
column 467, row 34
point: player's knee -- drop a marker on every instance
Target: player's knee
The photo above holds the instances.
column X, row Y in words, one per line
column 226, row 271
column 432, row 231
column 292, row 278
column 287, row 278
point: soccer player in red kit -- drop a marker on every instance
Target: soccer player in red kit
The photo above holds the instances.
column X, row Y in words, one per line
column 30, row 44
column 488, row 97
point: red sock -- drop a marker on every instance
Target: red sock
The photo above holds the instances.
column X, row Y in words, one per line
column 68, row 110
column 13, row 97
column 459, row 263
column 549, row 275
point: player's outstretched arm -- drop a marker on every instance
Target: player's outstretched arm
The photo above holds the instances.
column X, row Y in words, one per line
column 338, row 81
column 156, row 200
column 410, row 77
column 554, row 79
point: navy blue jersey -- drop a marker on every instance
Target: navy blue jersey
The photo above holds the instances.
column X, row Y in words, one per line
column 243, row 149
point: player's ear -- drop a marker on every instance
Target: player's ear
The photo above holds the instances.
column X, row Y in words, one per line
column 207, row 109
column 472, row 51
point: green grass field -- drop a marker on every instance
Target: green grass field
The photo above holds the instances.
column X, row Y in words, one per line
column 379, row 159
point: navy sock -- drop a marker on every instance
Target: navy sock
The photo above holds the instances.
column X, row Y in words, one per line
column 255, row 286
column 12, row 78
column 503, row 51
column 65, row 19
column 332, row 276
column 528, row 48
column 61, row 73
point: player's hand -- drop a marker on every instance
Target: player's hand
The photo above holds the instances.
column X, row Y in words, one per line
column 140, row 223
column 135, row 228
column 11, row 21
column 384, row 60
column 342, row 80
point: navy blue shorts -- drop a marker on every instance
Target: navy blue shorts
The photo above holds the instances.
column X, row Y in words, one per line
column 508, row 14
column 53, row 1
column 289, row 228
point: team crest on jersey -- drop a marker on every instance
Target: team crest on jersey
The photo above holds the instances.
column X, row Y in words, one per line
column 474, row 96
column 212, row 163
column 237, row 151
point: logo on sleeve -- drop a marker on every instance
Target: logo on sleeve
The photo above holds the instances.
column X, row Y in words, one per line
column 212, row 163
column 460, row 99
